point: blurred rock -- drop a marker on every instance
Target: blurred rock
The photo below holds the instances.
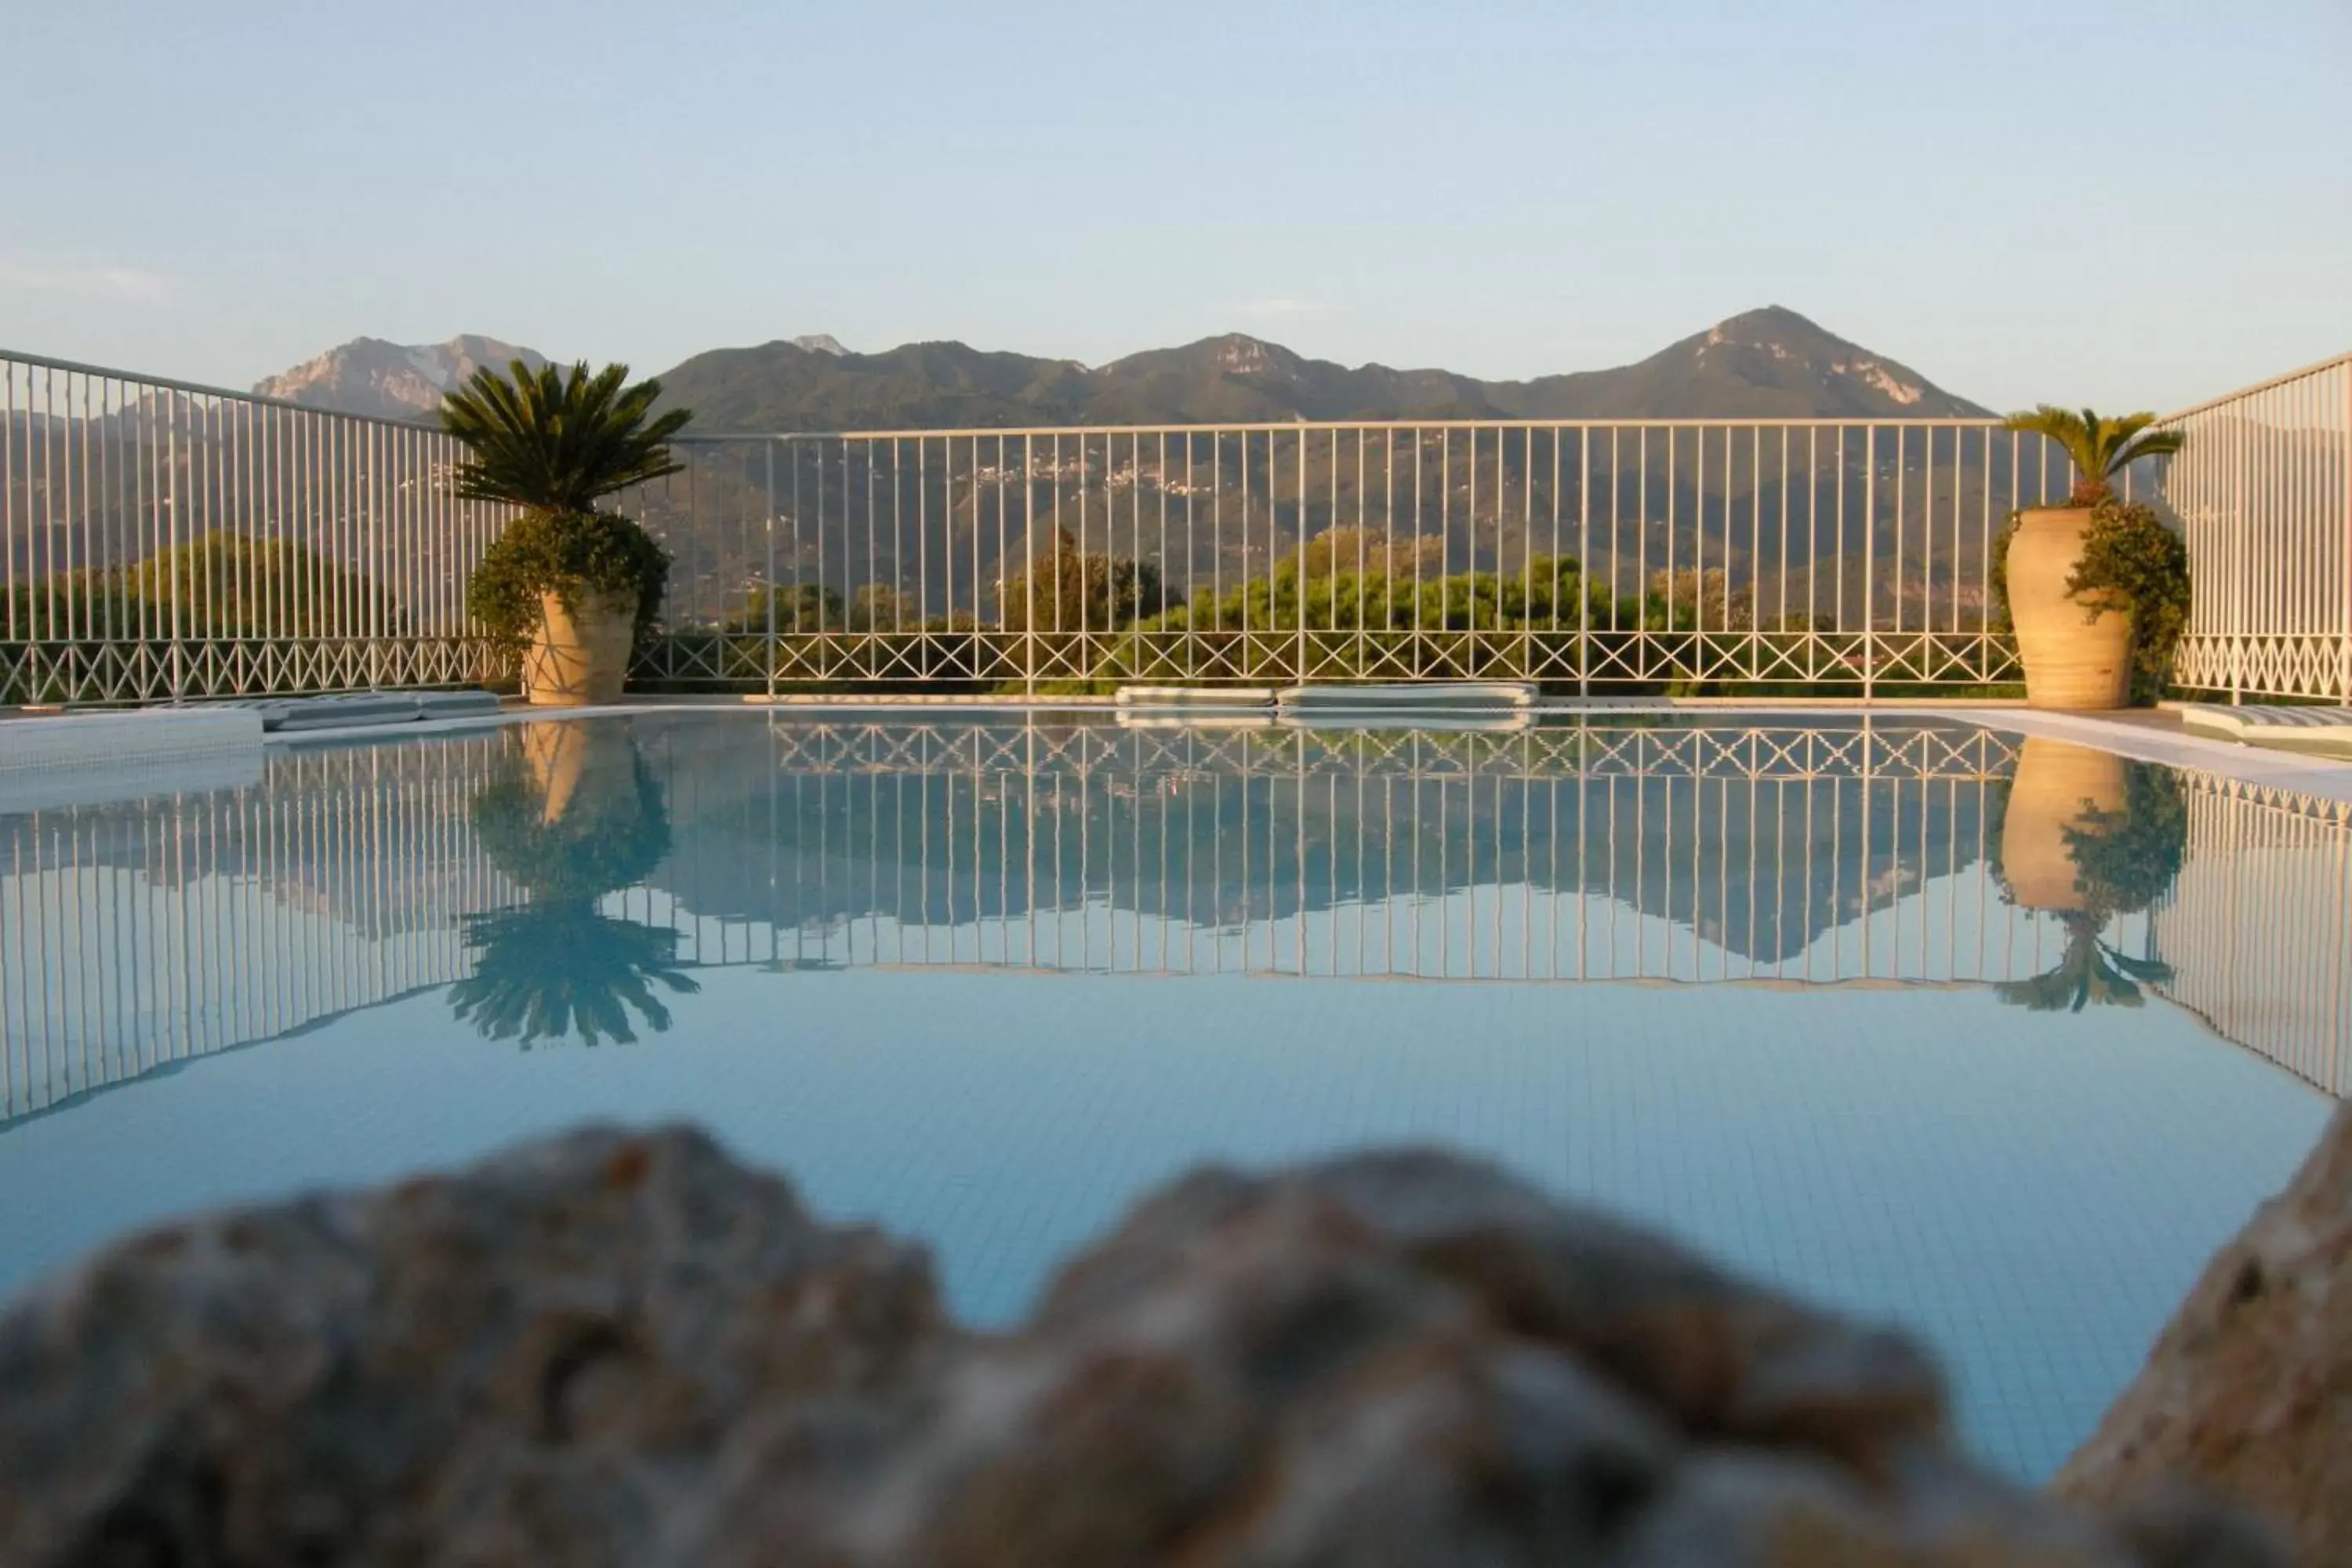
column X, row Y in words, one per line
column 2248, row 1391
column 608, row 1349
column 528, row 1362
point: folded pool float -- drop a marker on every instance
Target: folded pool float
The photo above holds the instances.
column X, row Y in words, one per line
column 2325, row 732
column 1196, row 697
column 1420, row 696
column 367, row 709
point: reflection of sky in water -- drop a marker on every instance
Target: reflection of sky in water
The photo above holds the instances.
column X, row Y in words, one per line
column 2030, row 1191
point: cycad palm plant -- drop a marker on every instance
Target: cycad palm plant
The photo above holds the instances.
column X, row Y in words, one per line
column 551, row 442
column 573, row 584
column 2098, row 447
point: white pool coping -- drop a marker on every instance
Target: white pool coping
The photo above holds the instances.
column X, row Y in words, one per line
column 2324, row 778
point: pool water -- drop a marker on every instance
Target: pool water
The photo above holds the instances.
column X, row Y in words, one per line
column 1996, row 1039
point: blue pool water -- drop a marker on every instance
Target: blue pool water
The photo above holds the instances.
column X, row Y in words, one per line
column 1775, row 988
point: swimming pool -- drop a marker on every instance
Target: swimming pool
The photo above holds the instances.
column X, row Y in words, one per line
column 1994, row 1038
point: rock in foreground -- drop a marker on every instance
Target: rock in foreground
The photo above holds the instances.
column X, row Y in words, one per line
column 2249, row 1389
column 608, row 1349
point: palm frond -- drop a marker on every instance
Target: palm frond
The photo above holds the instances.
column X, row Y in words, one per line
column 557, row 443
column 2099, row 447
column 2153, row 444
column 2154, row 971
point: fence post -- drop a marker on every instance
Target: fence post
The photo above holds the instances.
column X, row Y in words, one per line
column 767, row 650
column 2344, row 473
column 1870, row 563
column 173, row 563
column 1304, row 439
column 2238, row 584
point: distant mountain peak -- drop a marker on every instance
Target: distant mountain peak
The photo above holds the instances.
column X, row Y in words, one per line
column 820, row 343
column 1241, row 354
column 393, row 380
column 1775, row 347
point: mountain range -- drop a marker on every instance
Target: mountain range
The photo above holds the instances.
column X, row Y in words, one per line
column 1766, row 363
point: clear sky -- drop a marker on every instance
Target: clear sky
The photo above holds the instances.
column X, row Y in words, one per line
column 2130, row 204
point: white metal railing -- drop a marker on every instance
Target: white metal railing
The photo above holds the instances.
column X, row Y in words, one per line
column 2263, row 492
column 163, row 539
column 1628, row 556
column 133, row 937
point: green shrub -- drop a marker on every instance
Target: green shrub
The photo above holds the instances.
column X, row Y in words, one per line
column 565, row 554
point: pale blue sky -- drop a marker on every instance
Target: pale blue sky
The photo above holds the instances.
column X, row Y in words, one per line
column 2130, row 203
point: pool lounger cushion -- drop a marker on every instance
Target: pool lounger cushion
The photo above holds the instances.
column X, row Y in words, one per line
column 2291, row 729
column 1328, row 719
column 369, row 710
column 1196, row 696
column 1437, row 696
column 456, row 704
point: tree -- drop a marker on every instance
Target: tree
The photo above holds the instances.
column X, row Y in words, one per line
column 1068, row 590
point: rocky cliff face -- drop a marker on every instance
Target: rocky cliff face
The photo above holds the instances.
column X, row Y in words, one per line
column 615, row 1349
column 392, row 381
column 2249, row 1389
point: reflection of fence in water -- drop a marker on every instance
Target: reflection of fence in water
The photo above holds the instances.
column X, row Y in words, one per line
column 2260, row 925
column 134, row 937
column 1764, row 853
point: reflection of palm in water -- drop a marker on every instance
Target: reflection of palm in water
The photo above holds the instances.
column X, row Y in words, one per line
column 577, row 814
column 547, row 969
column 2091, row 971
column 2088, row 835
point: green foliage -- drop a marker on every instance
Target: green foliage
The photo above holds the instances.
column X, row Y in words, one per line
column 220, row 586
column 2132, row 561
column 567, row 554
column 2126, row 860
column 797, row 607
column 551, row 442
column 2098, row 447
column 1066, row 589
column 1544, row 595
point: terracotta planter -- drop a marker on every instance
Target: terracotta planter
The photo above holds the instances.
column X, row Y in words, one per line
column 2073, row 660
column 2058, row 785
column 577, row 659
column 561, row 755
